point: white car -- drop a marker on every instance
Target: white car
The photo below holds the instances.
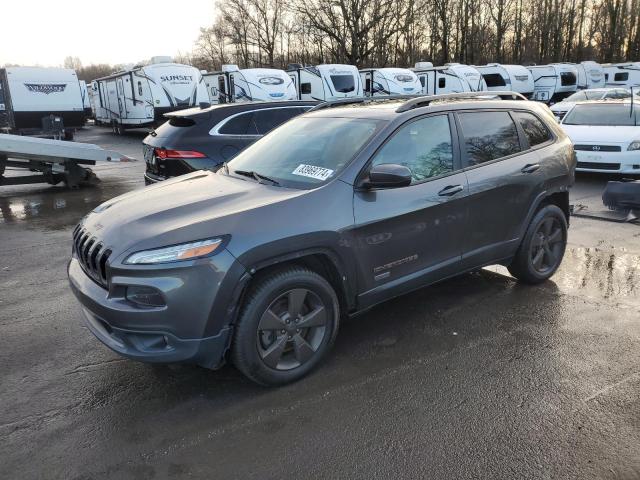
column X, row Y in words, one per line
column 605, row 136
column 561, row 108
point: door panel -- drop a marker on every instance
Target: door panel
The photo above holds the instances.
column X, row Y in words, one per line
column 503, row 182
column 412, row 235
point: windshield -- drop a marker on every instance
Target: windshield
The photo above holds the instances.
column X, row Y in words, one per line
column 306, row 152
column 580, row 96
column 343, row 83
column 602, row 115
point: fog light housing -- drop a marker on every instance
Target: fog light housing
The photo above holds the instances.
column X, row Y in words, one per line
column 144, row 296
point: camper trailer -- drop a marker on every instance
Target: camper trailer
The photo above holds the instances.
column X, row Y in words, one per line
column 326, row 82
column 86, row 101
column 252, row 84
column 553, row 82
column 622, row 74
column 379, row 82
column 515, row 78
column 590, row 75
column 451, row 78
column 32, row 94
column 139, row 97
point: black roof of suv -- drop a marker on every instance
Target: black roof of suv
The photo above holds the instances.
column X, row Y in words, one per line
column 327, row 215
column 201, row 138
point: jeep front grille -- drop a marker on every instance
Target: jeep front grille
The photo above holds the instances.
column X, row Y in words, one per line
column 91, row 254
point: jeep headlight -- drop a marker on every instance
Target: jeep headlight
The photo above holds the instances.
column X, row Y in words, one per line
column 175, row 253
column 635, row 145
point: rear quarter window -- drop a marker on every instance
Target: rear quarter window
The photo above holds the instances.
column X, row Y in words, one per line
column 488, row 136
column 535, row 131
column 241, row 124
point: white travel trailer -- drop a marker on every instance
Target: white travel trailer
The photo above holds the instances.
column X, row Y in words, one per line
column 139, row 97
column 590, row 75
column 380, row 82
column 86, row 99
column 514, row 78
column 31, row 94
column 252, row 84
column 622, row 74
column 451, row 78
column 326, row 82
column 553, row 82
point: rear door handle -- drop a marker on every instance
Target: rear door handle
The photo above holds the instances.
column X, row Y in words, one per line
column 530, row 168
column 450, row 190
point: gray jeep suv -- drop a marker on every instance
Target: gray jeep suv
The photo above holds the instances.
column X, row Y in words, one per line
column 335, row 211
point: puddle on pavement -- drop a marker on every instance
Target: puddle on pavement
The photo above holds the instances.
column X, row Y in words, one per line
column 610, row 274
column 55, row 208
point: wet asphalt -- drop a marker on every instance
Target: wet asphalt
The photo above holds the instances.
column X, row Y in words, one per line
column 476, row 377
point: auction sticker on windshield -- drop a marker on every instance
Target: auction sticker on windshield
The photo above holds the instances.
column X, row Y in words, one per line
column 312, row 171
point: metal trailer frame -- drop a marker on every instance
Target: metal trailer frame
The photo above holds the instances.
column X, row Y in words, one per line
column 55, row 160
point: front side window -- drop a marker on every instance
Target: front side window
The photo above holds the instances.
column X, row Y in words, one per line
column 489, row 136
column 535, row 131
column 307, row 151
column 568, row 79
column 494, row 80
column 343, row 83
column 424, row 146
column 621, row 77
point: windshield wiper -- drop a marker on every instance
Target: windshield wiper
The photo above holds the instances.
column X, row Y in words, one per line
column 257, row 176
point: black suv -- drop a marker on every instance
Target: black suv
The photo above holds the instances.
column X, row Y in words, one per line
column 198, row 139
column 333, row 212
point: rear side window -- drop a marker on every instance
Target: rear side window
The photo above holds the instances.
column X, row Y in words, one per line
column 424, row 146
column 494, row 80
column 238, row 125
column 535, row 131
column 266, row 120
column 489, row 136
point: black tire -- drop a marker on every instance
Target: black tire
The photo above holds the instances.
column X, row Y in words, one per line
column 542, row 248
column 268, row 347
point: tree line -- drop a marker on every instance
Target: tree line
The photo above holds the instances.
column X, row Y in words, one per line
column 257, row 33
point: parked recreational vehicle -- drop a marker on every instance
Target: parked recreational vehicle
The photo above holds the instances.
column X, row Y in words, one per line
column 590, row 75
column 34, row 93
column 451, row 78
column 86, row 100
column 141, row 96
column 389, row 81
column 515, row 78
column 326, row 82
column 622, row 74
column 247, row 85
column 553, row 82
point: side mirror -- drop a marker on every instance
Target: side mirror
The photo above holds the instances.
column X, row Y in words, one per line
column 388, row 175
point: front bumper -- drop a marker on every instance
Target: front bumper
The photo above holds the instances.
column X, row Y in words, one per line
column 627, row 162
column 193, row 326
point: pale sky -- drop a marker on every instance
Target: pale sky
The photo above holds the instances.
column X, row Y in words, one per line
column 44, row 32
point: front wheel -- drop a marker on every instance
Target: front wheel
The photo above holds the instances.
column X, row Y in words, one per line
column 287, row 324
column 542, row 248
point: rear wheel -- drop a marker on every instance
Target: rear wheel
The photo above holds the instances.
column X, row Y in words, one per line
column 287, row 324
column 542, row 248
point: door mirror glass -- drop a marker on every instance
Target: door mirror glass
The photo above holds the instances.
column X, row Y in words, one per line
column 388, row 175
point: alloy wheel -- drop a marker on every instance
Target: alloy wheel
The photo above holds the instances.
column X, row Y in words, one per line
column 292, row 329
column 547, row 245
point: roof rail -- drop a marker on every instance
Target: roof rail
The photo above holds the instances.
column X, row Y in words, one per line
column 426, row 100
column 352, row 100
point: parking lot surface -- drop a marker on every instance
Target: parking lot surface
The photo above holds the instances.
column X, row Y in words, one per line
column 476, row 377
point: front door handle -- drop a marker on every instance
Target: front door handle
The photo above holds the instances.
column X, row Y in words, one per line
column 530, row 168
column 450, row 190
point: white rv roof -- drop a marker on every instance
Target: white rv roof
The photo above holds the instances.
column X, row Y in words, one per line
column 336, row 68
column 41, row 73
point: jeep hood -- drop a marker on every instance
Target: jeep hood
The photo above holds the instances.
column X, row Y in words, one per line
column 196, row 206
